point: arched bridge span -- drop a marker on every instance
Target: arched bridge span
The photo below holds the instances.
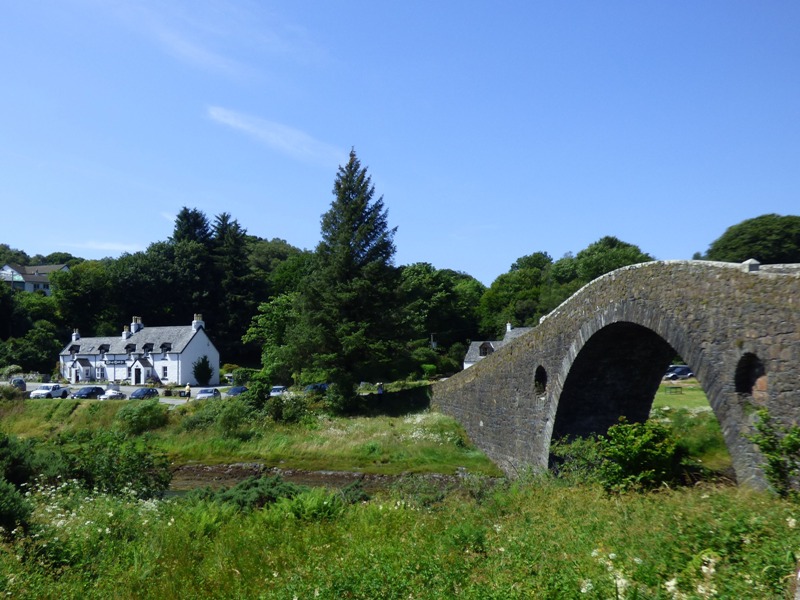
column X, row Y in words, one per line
column 602, row 353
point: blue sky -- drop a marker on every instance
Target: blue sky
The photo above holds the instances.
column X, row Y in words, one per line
column 491, row 129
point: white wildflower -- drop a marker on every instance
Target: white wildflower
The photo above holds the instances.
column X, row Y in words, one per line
column 791, row 522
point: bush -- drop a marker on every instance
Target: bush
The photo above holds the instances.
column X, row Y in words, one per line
column 202, row 370
column 315, row 504
column 232, row 417
column 780, row 447
column 114, row 464
column 287, row 408
column 638, row 456
column 14, row 509
column 252, row 493
column 138, row 417
column 204, row 414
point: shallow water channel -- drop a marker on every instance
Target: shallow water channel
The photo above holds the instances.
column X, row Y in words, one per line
column 189, row 477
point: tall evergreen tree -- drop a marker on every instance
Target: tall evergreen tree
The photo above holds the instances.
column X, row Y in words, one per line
column 191, row 225
column 349, row 299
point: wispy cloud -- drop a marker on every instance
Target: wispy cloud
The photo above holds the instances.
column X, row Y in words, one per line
column 107, row 246
column 284, row 139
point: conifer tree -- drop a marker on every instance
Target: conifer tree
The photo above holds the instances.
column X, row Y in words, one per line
column 349, row 300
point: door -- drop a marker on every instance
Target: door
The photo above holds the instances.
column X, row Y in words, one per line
column 137, row 376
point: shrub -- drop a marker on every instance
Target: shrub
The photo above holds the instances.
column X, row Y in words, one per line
column 780, row 447
column 232, row 417
column 114, row 464
column 638, row 456
column 14, row 509
column 252, row 493
column 287, row 408
column 204, row 414
column 315, row 504
column 576, row 460
column 202, row 370
column 138, row 417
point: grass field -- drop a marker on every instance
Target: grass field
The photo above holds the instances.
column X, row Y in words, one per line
column 681, row 394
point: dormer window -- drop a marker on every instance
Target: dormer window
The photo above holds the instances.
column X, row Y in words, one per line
column 74, row 349
column 166, row 347
column 130, row 348
column 147, row 349
column 486, row 349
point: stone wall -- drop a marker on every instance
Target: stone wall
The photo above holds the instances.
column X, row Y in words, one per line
column 602, row 353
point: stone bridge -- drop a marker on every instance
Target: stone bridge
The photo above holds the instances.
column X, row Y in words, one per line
column 603, row 352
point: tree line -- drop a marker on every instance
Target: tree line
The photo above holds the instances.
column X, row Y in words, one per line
column 342, row 313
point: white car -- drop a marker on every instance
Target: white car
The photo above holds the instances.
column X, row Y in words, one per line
column 50, row 390
column 203, row 393
column 112, row 394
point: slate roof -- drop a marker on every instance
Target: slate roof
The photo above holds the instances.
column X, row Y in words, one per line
column 474, row 351
column 176, row 336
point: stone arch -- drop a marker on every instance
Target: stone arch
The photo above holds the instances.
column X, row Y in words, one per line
column 616, row 372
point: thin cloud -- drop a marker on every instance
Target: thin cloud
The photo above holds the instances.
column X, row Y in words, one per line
column 284, row 139
column 107, row 246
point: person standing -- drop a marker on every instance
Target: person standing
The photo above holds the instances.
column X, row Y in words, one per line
column 188, row 392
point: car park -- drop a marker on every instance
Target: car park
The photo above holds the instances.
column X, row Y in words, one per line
column 112, row 394
column 277, row 390
column 235, row 391
column 89, row 391
column 143, row 393
column 678, row 372
column 204, row 393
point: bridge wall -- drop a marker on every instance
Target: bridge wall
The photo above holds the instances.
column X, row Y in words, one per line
column 602, row 353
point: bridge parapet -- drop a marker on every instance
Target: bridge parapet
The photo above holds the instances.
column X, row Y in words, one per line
column 601, row 355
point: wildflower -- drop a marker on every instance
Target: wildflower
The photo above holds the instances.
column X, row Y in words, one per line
column 791, row 522
column 587, row 586
column 637, row 560
column 671, row 586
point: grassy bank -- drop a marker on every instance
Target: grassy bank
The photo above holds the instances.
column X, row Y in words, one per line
column 535, row 538
column 421, row 442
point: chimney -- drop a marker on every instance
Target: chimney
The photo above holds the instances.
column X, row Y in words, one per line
column 126, row 333
column 198, row 322
column 508, row 327
column 136, row 324
column 75, row 335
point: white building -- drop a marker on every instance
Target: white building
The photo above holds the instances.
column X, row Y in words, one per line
column 164, row 355
column 480, row 350
column 33, row 278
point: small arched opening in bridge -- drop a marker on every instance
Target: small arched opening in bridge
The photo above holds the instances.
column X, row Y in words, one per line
column 540, row 381
column 751, row 378
column 616, row 373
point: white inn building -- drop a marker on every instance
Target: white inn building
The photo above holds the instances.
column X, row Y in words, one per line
column 164, row 355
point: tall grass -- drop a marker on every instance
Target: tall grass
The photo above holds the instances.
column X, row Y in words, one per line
column 536, row 538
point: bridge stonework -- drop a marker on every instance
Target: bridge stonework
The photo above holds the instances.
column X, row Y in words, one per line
column 602, row 354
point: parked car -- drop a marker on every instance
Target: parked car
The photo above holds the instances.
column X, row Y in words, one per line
column 235, row 391
column 208, row 393
column 143, row 393
column 112, row 394
column 678, row 372
column 19, row 383
column 89, row 391
column 277, row 390
column 319, row 388
column 50, row 390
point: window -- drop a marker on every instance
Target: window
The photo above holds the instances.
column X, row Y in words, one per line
column 100, row 373
column 164, row 372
